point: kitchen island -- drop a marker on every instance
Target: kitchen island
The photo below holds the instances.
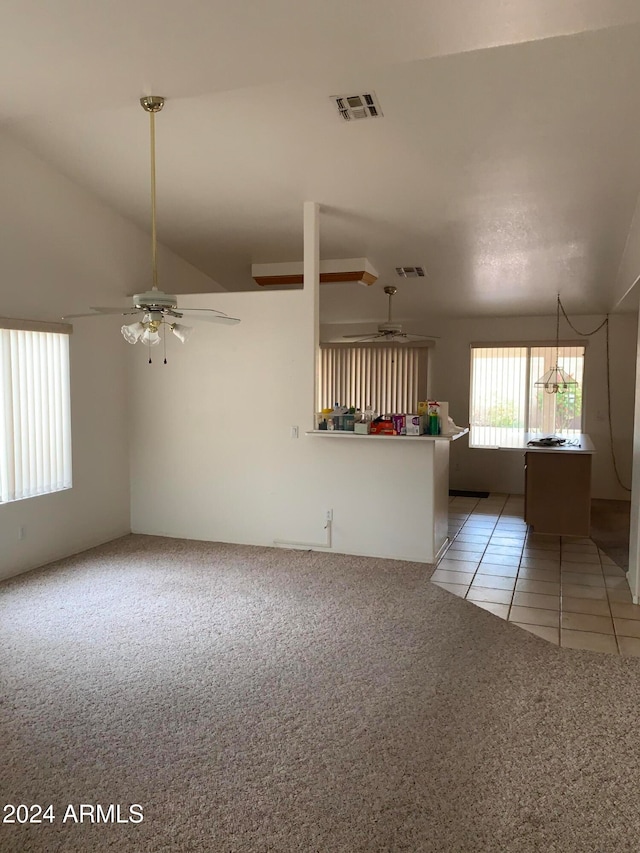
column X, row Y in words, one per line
column 557, row 483
column 558, row 487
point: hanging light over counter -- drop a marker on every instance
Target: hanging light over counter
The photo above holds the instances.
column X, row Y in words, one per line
column 557, row 380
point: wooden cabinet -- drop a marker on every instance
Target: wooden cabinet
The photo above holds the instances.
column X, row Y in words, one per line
column 558, row 492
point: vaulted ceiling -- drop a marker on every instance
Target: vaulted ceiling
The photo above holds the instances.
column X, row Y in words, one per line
column 506, row 162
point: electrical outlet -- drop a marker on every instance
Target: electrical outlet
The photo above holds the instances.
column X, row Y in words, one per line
column 294, row 432
column 22, row 532
column 328, row 515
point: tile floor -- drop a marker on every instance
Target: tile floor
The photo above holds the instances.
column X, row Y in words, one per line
column 563, row 589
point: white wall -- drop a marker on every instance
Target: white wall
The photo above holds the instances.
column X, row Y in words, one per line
column 212, row 453
column 62, row 251
column 502, row 471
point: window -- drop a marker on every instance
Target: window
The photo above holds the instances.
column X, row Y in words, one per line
column 389, row 377
column 35, row 420
column 505, row 401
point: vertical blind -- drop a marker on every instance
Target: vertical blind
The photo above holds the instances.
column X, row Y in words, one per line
column 498, row 395
column 35, row 417
column 556, row 412
column 505, row 401
column 388, row 378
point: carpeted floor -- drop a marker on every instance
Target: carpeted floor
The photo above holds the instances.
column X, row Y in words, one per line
column 253, row 699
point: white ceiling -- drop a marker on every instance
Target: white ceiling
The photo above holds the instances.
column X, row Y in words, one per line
column 507, row 161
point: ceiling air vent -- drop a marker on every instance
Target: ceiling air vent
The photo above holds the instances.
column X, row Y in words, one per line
column 411, row 272
column 357, row 106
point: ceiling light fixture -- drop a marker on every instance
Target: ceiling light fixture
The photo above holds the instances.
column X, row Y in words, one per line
column 557, row 380
column 153, row 306
column 147, row 331
column 133, row 332
column 181, row 332
column 150, row 336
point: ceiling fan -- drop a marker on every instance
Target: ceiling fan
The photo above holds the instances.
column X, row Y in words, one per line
column 155, row 308
column 389, row 331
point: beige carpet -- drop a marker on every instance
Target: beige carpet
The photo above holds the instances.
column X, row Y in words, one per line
column 254, row 699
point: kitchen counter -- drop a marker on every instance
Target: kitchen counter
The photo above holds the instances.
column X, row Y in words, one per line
column 574, row 443
column 341, row 433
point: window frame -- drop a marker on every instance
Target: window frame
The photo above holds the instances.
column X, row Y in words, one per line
column 528, row 345
column 424, row 362
column 10, row 324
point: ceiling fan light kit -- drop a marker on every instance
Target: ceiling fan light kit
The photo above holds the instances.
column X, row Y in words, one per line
column 154, row 308
column 182, row 333
column 150, row 336
column 133, row 332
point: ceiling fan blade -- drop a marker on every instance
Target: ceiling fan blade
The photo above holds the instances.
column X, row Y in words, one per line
column 408, row 337
column 103, row 312
column 209, row 315
column 354, row 337
column 127, row 310
column 361, row 339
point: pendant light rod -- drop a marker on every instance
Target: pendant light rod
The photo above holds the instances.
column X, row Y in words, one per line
column 390, row 290
column 152, row 105
column 557, row 380
column 558, row 331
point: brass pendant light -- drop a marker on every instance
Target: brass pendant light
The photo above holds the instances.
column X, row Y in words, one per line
column 556, row 380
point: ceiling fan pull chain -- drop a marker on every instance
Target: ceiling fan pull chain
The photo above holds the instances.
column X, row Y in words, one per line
column 164, row 344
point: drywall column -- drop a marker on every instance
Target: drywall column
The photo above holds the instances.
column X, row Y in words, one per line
column 311, row 292
column 634, row 537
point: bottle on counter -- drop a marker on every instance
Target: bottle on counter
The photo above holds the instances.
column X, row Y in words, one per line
column 362, row 423
column 433, row 418
column 338, row 416
column 323, row 418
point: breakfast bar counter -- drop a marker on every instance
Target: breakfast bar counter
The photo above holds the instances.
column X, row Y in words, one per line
column 341, row 433
column 393, row 489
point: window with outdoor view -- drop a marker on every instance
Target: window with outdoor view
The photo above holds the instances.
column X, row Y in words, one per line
column 505, row 401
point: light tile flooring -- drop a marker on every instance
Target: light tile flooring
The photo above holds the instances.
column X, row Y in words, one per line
column 563, row 589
